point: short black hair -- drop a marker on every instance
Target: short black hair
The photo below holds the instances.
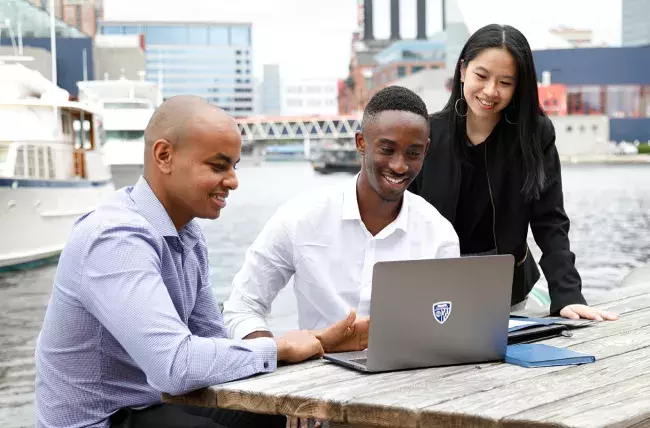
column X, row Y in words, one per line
column 394, row 98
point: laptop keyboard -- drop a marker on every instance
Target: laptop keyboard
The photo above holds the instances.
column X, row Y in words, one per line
column 361, row 361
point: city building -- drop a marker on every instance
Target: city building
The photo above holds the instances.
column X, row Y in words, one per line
column 26, row 32
column 271, row 89
column 84, row 15
column 603, row 81
column 292, row 96
column 120, row 57
column 211, row 60
column 309, row 97
column 374, row 62
column 575, row 37
column 635, row 25
column 406, row 57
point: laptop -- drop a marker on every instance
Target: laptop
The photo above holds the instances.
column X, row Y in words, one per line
column 428, row 313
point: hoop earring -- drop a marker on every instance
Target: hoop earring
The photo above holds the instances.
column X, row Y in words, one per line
column 508, row 120
column 456, row 107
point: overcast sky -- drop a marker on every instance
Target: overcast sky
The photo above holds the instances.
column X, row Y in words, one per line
column 311, row 38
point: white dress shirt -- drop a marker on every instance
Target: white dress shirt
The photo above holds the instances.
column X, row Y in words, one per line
column 321, row 241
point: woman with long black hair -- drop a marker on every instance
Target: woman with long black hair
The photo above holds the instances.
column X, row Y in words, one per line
column 493, row 169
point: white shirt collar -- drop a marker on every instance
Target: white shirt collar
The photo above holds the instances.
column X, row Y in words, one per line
column 350, row 209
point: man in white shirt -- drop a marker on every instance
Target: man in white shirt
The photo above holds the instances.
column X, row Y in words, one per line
column 330, row 241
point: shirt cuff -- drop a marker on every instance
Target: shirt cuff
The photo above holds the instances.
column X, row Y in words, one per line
column 248, row 326
column 265, row 350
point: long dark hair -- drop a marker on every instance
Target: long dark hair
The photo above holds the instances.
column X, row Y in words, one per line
column 524, row 110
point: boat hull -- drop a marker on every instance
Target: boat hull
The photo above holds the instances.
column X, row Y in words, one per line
column 36, row 216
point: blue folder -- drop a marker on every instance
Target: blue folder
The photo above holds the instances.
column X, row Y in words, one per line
column 540, row 355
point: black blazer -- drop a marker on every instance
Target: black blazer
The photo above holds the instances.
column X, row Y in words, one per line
column 439, row 184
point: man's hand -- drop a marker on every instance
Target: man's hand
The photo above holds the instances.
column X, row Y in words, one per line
column 349, row 334
column 575, row 312
column 298, row 345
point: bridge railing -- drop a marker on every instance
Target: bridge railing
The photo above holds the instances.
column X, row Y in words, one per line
column 298, row 128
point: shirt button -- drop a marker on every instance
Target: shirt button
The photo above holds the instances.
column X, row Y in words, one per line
column 266, row 364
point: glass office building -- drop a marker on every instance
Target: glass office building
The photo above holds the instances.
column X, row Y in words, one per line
column 635, row 26
column 210, row 60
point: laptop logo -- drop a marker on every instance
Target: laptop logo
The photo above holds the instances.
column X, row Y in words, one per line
column 441, row 311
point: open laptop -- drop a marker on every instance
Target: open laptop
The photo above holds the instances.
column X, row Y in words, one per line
column 427, row 313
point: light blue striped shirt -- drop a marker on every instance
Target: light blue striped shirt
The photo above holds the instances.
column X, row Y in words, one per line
column 132, row 314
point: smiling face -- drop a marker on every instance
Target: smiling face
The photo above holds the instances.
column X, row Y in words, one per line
column 199, row 169
column 489, row 82
column 393, row 145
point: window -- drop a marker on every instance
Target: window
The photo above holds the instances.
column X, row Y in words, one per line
column 240, row 35
column 42, row 172
column 401, row 71
column 197, row 35
column 4, row 154
column 31, row 161
column 112, row 30
column 624, row 101
column 218, row 36
column 19, row 170
column 132, row 29
column 585, row 100
column 645, row 101
column 166, row 35
column 50, row 163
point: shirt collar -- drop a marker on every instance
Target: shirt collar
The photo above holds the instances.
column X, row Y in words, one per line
column 153, row 211
column 350, row 209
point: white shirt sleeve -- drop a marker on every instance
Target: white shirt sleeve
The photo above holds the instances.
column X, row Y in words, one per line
column 450, row 246
column 267, row 269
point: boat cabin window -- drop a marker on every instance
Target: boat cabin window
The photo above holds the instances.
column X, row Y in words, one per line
column 66, row 124
column 34, row 162
column 42, row 172
column 19, row 169
column 31, row 161
column 50, row 163
column 4, row 155
column 82, row 134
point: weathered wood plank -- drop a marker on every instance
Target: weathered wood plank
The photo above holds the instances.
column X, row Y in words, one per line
column 528, row 393
column 620, row 300
column 404, row 403
column 344, row 425
column 206, row 397
column 321, row 389
column 623, row 404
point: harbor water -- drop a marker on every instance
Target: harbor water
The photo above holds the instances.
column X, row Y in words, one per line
column 609, row 206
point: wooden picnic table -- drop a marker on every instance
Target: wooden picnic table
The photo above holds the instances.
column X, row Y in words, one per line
column 612, row 392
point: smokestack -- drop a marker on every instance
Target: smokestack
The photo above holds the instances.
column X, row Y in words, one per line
column 422, row 19
column 444, row 15
column 368, row 33
column 394, row 20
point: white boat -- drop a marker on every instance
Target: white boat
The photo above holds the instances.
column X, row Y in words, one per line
column 126, row 106
column 51, row 165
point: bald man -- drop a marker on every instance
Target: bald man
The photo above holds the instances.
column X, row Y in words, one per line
column 132, row 312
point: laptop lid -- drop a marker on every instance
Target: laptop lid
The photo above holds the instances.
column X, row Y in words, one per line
column 435, row 312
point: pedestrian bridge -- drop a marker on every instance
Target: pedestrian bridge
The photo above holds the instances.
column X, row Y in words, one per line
column 263, row 128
